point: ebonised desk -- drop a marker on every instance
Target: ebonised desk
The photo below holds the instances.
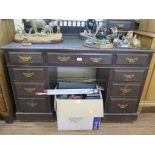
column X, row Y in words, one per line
column 125, row 72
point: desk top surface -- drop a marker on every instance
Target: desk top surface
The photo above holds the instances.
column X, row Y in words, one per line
column 70, row 43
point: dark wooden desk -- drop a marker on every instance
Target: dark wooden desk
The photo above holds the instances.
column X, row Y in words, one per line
column 29, row 67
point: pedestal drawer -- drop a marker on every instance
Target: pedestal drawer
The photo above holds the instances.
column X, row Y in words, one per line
column 25, row 58
column 122, row 105
column 125, row 89
column 28, row 88
column 129, row 75
column 27, row 73
column 132, row 59
column 37, row 105
column 81, row 59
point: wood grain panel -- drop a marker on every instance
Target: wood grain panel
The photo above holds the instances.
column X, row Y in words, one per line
column 7, row 32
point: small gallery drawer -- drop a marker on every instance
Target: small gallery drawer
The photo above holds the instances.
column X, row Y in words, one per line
column 28, row 88
column 81, row 59
column 132, row 59
column 37, row 105
column 129, row 75
column 123, row 25
column 25, row 58
column 122, row 105
column 27, row 73
column 2, row 104
column 125, row 89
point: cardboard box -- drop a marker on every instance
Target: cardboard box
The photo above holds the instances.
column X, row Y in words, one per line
column 79, row 114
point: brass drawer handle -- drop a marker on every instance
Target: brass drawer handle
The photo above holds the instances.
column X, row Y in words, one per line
column 32, row 104
column 25, row 59
column 127, row 77
column 93, row 59
column 63, row 59
column 122, row 106
column 125, row 90
column 131, row 59
column 120, row 25
column 29, row 90
column 28, row 75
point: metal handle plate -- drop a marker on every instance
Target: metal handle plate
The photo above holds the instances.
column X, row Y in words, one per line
column 25, row 59
column 125, row 90
column 32, row 104
column 95, row 59
column 63, row 59
column 122, row 106
column 131, row 59
column 29, row 90
column 28, row 75
column 127, row 77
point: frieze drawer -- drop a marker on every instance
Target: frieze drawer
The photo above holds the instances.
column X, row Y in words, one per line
column 122, row 105
column 125, row 89
column 27, row 74
column 81, row 59
column 37, row 105
column 28, row 88
column 133, row 59
column 129, row 75
column 25, row 58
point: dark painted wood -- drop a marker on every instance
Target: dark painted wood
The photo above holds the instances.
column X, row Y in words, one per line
column 72, row 59
column 37, row 105
column 116, row 117
column 122, row 105
column 121, row 24
column 34, row 116
column 28, row 89
column 133, row 75
column 132, row 59
column 22, row 58
column 27, row 74
column 70, row 43
column 71, row 53
column 125, row 89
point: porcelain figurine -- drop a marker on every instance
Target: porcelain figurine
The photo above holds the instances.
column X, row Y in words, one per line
column 91, row 26
column 35, row 24
column 114, row 33
column 101, row 32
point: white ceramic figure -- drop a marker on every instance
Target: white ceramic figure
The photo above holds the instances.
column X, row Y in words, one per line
column 35, row 24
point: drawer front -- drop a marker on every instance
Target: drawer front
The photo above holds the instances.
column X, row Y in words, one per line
column 27, row 73
column 123, row 25
column 28, row 89
column 2, row 104
column 126, row 89
column 76, row 60
column 122, row 105
column 36, row 105
column 104, row 59
column 132, row 59
column 129, row 75
column 25, row 58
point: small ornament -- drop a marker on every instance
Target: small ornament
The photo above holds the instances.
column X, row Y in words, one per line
column 26, row 42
